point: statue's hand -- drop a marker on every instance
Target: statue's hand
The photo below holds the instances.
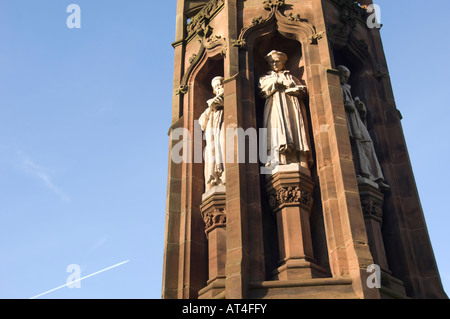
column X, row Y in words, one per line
column 361, row 107
column 359, row 104
column 297, row 90
column 293, row 91
column 218, row 99
column 217, row 103
column 303, row 88
column 280, row 83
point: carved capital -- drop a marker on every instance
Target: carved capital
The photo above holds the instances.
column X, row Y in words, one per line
column 215, row 218
column 372, row 200
column 372, row 208
column 290, row 196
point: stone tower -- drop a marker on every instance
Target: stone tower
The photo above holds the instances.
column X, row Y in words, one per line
column 338, row 214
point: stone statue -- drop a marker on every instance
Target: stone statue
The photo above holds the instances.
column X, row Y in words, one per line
column 366, row 161
column 284, row 115
column 211, row 122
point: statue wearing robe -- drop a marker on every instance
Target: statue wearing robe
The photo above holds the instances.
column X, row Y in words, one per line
column 366, row 160
column 284, row 115
column 211, row 122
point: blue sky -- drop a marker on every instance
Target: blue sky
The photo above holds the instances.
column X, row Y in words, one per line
column 84, row 115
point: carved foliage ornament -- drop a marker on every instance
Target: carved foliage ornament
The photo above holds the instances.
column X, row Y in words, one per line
column 199, row 24
column 270, row 4
column 215, row 41
column 216, row 217
column 295, row 17
column 183, row 89
column 316, row 37
column 290, row 195
column 350, row 12
column 274, row 6
column 372, row 208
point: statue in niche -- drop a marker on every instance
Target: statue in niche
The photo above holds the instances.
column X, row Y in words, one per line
column 366, row 161
column 284, row 115
column 211, row 122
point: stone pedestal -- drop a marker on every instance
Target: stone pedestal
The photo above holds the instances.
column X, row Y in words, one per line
column 372, row 205
column 214, row 215
column 290, row 189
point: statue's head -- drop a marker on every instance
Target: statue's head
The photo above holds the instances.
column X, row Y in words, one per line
column 344, row 73
column 277, row 60
column 217, row 85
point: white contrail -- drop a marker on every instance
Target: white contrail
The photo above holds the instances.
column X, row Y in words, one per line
column 75, row 281
column 43, row 175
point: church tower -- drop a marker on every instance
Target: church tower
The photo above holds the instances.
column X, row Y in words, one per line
column 289, row 175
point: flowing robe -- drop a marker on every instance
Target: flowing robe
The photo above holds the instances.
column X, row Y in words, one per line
column 284, row 118
column 367, row 163
column 211, row 122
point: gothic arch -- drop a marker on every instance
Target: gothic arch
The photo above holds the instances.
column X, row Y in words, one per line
column 212, row 47
column 292, row 27
column 358, row 49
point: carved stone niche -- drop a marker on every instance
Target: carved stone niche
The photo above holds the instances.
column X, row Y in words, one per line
column 214, row 215
column 290, row 190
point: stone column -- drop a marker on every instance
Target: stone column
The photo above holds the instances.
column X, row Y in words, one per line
column 290, row 189
column 214, row 215
column 372, row 206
